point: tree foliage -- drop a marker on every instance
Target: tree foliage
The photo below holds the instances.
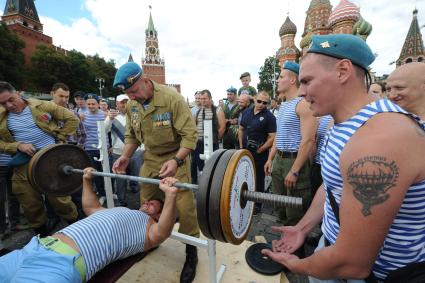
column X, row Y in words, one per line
column 11, row 57
column 268, row 74
column 73, row 68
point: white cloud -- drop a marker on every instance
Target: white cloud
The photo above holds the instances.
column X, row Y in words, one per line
column 208, row 44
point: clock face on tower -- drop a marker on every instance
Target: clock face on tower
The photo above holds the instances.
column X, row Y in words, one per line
column 152, row 50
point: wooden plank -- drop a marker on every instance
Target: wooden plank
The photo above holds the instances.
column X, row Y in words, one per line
column 165, row 263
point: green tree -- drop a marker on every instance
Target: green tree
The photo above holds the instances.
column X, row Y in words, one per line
column 105, row 70
column 48, row 67
column 268, row 73
column 11, row 57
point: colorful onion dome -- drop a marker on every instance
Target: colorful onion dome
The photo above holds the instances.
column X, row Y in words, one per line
column 343, row 12
column 288, row 27
column 362, row 28
column 306, row 40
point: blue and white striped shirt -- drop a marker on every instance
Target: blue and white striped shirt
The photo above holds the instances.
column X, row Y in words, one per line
column 4, row 159
column 322, row 129
column 24, row 129
column 288, row 133
column 90, row 125
column 108, row 235
column 405, row 241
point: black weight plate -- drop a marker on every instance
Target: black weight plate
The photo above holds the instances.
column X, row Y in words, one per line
column 261, row 263
column 215, row 196
column 45, row 167
column 202, row 195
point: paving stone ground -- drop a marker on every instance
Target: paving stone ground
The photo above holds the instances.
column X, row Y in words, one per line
column 261, row 226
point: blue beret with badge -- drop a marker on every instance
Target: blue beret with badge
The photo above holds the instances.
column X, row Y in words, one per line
column 343, row 46
column 127, row 75
column 232, row 90
column 292, row 66
column 91, row 96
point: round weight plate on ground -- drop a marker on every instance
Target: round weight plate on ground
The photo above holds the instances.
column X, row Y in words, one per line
column 45, row 169
column 202, row 195
column 235, row 212
column 261, row 263
column 215, row 196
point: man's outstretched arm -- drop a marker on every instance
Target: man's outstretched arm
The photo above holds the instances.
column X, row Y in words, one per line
column 90, row 202
column 158, row 232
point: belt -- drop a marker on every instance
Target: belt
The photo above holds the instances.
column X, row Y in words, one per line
column 287, row 154
column 60, row 247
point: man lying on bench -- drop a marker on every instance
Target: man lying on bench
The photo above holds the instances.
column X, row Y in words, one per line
column 78, row 251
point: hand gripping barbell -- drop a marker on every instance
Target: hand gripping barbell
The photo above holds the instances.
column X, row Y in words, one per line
column 225, row 194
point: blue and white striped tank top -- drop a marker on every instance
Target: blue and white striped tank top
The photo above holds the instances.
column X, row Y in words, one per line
column 288, row 131
column 108, row 235
column 24, row 129
column 322, row 129
column 405, row 241
column 4, row 159
column 90, row 125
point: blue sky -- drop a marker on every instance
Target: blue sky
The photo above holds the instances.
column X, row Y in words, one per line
column 208, row 44
column 68, row 11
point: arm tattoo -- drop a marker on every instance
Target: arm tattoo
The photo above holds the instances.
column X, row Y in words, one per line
column 371, row 177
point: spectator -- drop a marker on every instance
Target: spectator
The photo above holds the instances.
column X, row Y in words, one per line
column 92, row 116
column 197, row 105
column 231, row 113
column 377, row 89
column 256, row 133
column 246, row 88
column 115, row 124
column 406, row 88
column 295, row 136
column 28, row 125
column 208, row 111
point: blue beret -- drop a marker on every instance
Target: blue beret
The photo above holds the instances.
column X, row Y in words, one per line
column 343, row 46
column 127, row 75
column 232, row 90
column 292, row 66
column 91, row 96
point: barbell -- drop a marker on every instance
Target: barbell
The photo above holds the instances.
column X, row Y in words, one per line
column 225, row 194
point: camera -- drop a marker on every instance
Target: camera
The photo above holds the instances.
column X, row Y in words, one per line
column 252, row 145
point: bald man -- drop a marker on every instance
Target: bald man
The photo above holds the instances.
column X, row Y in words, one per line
column 406, row 88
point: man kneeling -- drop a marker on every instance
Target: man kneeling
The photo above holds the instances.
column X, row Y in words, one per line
column 78, row 251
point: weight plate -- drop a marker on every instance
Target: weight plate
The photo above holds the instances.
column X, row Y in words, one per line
column 45, row 169
column 261, row 263
column 215, row 196
column 235, row 212
column 202, row 195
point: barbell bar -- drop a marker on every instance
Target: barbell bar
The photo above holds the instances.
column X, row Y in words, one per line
column 225, row 195
column 270, row 199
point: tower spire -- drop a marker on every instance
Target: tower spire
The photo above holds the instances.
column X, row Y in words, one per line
column 151, row 31
column 413, row 48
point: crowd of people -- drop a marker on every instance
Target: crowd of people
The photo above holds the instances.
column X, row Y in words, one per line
column 350, row 149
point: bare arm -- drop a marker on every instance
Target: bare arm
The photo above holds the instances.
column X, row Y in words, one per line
column 221, row 122
column 240, row 136
column 269, row 143
column 89, row 200
column 308, row 133
column 160, row 231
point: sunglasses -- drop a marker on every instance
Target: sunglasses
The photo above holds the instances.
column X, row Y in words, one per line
column 262, row 102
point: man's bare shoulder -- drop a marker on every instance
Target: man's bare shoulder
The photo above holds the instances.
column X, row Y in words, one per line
column 390, row 135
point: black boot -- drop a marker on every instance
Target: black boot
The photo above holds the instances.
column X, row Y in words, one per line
column 43, row 231
column 189, row 268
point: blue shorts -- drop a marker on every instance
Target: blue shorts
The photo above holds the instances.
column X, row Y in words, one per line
column 35, row 263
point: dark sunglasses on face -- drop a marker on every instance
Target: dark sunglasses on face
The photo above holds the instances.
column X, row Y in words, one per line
column 262, row 102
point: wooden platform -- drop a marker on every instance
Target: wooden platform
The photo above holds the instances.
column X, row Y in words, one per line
column 165, row 263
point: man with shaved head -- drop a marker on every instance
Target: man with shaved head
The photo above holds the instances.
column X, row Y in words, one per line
column 406, row 88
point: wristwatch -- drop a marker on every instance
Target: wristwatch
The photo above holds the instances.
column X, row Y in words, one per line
column 178, row 160
column 296, row 174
